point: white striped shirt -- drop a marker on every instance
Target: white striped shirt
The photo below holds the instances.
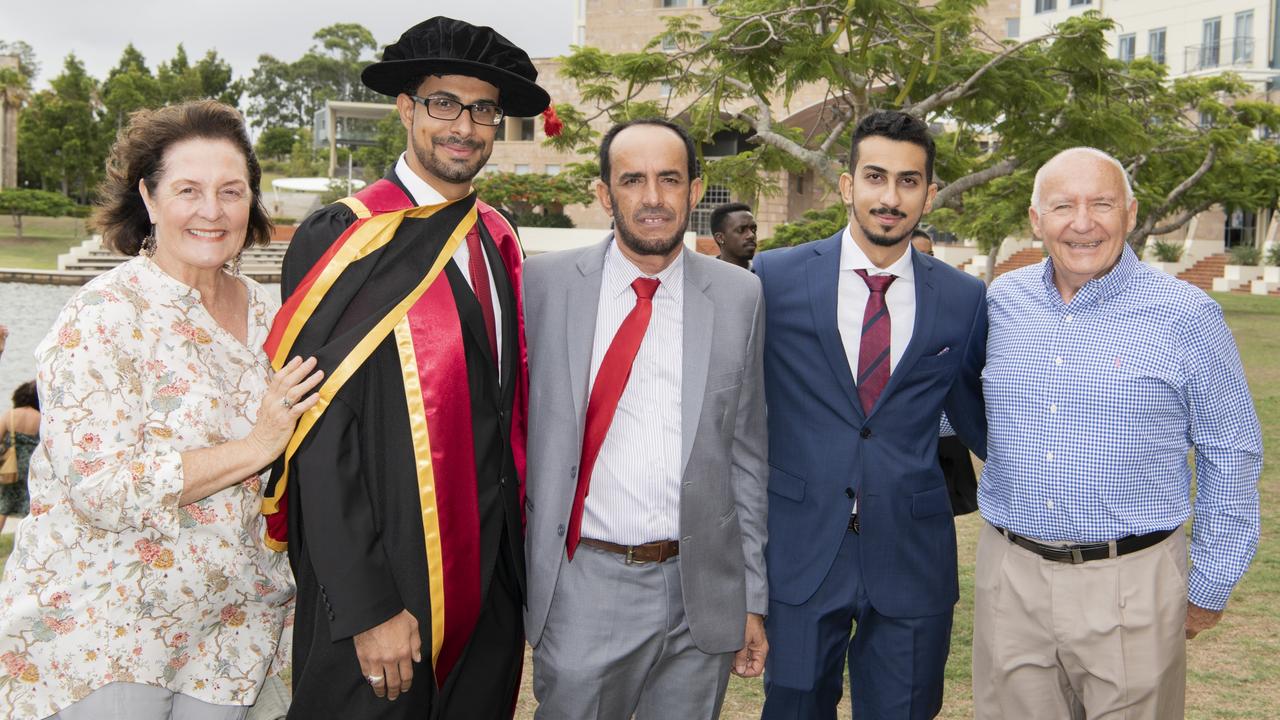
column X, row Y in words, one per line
column 635, row 485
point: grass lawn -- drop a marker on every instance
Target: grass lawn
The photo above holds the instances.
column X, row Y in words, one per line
column 43, row 240
column 1233, row 669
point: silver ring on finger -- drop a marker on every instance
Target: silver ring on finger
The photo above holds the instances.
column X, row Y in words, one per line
column 374, row 679
column 286, row 403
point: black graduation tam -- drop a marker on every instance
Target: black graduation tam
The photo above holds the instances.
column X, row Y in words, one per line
column 444, row 46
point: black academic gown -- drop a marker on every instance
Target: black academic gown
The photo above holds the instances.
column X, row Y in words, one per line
column 355, row 529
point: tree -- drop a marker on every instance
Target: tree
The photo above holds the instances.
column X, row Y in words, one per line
column 289, row 94
column 129, row 86
column 389, row 142
column 1004, row 108
column 20, row 202
column 62, row 143
column 275, row 142
column 535, row 199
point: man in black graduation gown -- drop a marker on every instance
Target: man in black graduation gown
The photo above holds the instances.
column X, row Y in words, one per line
column 403, row 491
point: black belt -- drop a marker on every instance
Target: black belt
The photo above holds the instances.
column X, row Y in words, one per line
column 1076, row 554
column 853, row 524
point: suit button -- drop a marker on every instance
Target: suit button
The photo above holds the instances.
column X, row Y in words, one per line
column 848, row 492
column 560, row 530
column 573, row 472
column 865, row 433
column 502, row 480
column 332, row 616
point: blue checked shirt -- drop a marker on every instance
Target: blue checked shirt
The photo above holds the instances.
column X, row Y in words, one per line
column 1092, row 407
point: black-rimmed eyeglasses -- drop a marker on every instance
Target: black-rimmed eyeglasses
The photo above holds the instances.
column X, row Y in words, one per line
column 444, row 108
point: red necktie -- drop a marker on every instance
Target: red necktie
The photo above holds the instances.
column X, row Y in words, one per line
column 611, row 380
column 480, row 285
column 873, row 350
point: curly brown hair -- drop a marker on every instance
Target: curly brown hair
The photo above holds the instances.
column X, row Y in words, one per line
column 138, row 154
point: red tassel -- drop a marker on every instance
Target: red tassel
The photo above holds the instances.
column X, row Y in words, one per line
column 551, row 124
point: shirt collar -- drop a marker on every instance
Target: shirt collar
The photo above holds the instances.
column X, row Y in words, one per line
column 1096, row 289
column 852, row 258
column 619, row 273
column 420, row 190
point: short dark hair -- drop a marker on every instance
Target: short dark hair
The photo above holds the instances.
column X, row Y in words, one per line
column 138, row 154
column 607, row 143
column 26, row 395
column 721, row 215
column 895, row 125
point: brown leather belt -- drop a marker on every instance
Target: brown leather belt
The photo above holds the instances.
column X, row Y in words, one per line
column 660, row 551
column 1076, row 554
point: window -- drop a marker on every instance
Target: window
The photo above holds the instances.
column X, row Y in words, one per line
column 552, row 169
column 526, row 128
column 664, row 89
column 668, row 44
column 1242, row 44
column 522, row 169
column 1012, row 26
column 500, row 132
column 1155, row 45
column 714, row 197
column 1044, row 6
column 1210, row 40
column 673, row 3
column 1076, row 3
column 1125, row 47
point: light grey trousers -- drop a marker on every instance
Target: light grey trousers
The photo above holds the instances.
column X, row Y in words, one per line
column 617, row 645
column 134, row 701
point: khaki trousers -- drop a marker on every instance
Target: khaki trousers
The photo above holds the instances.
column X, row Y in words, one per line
column 1101, row 640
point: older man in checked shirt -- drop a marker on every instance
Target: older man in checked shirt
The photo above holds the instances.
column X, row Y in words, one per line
column 1101, row 373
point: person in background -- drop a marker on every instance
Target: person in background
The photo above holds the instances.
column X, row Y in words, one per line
column 953, row 456
column 139, row 587
column 19, row 427
column 734, row 229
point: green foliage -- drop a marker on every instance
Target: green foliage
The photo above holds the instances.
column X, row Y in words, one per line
column 20, row 202
column 304, row 160
column 288, row 94
column 1273, row 255
column 1246, row 255
column 1167, row 251
column 813, row 225
column 521, row 194
column 549, row 220
column 377, row 159
column 1003, row 110
column 275, row 142
column 59, row 133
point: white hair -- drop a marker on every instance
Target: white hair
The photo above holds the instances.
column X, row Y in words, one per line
column 1101, row 155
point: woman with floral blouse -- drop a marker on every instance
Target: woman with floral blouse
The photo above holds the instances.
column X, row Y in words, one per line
column 139, row 586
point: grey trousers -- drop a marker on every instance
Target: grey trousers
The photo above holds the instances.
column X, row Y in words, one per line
column 134, row 701
column 617, row 645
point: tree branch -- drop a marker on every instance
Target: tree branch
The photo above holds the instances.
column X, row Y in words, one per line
column 1174, row 224
column 953, row 93
column 953, row 190
column 765, row 134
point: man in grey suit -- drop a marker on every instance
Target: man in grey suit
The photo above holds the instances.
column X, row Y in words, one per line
column 647, row 473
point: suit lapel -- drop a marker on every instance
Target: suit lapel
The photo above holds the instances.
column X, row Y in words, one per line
column 698, row 320
column 583, row 301
column 823, row 270
column 926, row 312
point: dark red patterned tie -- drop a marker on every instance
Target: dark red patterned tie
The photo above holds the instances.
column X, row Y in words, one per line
column 480, row 285
column 611, row 380
column 873, row 351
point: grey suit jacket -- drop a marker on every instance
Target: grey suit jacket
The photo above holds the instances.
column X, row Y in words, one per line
column 723, row 495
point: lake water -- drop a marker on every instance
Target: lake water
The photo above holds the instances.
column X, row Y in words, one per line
column 29, row 311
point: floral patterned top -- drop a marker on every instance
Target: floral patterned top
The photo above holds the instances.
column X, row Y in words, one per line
column 110, row 579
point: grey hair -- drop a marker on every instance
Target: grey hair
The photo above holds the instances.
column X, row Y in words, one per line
column 1128, row 187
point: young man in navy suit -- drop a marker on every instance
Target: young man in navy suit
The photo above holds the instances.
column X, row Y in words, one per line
column 866, row 343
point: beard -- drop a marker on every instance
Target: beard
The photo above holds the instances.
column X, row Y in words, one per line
column 451, row 171
column 879, row 238
column 625, row 232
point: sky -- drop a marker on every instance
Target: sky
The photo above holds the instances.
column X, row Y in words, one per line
column 240, row 30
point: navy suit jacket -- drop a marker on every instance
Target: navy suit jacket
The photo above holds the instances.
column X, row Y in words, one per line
column 823, row 449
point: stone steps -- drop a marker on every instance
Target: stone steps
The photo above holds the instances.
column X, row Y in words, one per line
column 1020, row 259
column 1205, row 271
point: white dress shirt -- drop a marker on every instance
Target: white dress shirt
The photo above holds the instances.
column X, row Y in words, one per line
column 423, row 194
column 635, row 486
column 852, row 295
